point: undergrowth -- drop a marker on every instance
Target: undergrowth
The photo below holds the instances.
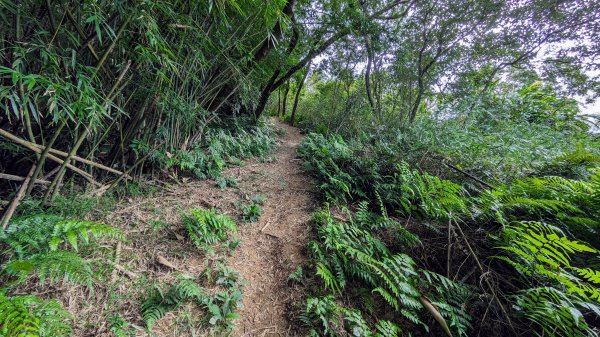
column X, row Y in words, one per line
column 541, row 230
column 217, row 294
column 52, row 250
column 218, row 149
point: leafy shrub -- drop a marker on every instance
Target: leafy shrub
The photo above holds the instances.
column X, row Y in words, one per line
column 251, row 212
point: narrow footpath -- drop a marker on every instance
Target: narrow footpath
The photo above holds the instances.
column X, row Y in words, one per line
column 275, row 246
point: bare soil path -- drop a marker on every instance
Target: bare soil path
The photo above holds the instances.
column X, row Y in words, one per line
column 274, row 247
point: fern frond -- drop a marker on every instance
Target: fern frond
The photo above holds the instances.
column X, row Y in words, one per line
column 387, row 329
column 207, row 227
column 72, row 232
column 32, row 316
column 555, row 312
column 164, row 299
column 38, row 233
column 592, row 276
column 54, row 266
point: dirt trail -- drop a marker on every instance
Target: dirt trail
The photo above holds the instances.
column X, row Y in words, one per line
column 273, row 247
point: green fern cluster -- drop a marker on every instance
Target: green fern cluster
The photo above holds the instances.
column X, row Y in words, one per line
column 543, row 255
column 549, row 226
column 556, row 313
column 47, row 245
column 220, row 306
column 349, row 253
column 32, row 316
column 219, row 148
column 575, row 164
column 409, row 191
column 328, row 158
column 207, row 227
column 164, row 299
column 572, row 204
column 349, row 172
column 374, row 170
column 324, row 317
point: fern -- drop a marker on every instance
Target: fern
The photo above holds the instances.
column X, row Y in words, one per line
column 37, row 241
column 572, row 164
column 590, row 275
column 324, row 317
column 571, row 204
column 555, row 313
column 350, row 251
column 206, row 227
column 53, row 267
column 32, row 316
column 543, row 255
column 37, row 233
column 162, row 301
column 387, row 329
column 73, row 232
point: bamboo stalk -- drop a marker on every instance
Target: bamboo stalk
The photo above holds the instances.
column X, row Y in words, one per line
column 33, row 148
column 83, row 36
column 51, row 173
column 42, row 158
column 100, row 191
column 16, row 200
column 19, row 178
column 55, row 185
column 112, row 45
column 38, row 149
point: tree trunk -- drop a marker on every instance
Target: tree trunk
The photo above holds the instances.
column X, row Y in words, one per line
column 279, row 102
column 285, row 96
column 368, row 76
column 298, row 90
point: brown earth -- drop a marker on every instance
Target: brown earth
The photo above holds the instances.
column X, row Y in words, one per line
column 274, row 247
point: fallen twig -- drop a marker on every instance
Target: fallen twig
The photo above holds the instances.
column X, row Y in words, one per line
column 469, row 175
column 488, row 283
column 163, row 261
